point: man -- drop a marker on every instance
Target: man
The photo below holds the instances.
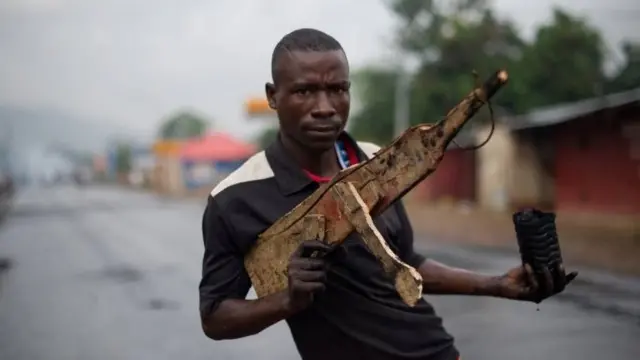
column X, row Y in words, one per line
column 340, row 305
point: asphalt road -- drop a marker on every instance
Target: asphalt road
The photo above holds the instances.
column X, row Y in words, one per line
column 102, row 273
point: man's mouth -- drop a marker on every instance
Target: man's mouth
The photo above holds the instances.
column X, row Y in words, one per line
column 322, row 129
column 322, row 132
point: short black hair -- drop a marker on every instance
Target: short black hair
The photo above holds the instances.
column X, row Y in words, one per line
column 305, row 39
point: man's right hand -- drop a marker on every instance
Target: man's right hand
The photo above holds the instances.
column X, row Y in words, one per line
column 307, row 272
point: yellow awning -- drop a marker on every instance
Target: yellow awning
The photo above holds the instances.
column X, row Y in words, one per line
column 167, row 147
column 258, row 106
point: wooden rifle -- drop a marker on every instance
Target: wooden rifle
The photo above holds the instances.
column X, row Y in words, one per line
column 357, row 193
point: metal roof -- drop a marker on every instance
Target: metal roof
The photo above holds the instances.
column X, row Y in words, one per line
column 216, row 146
column 557, row 114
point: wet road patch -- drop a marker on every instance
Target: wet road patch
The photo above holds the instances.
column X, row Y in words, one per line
column 136, row 286
column 118, row 274
column 5, row 265
column 162, row 304
column 122, row 274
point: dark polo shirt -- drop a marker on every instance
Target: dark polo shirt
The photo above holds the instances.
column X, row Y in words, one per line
column 359, row 315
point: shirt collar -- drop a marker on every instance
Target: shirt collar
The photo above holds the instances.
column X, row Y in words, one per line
column 289, row 176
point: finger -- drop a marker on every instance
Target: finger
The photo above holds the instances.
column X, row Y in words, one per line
column 314, row 246
column 560, row 279
column 571, row 276
column 298, row 252
column 531, row 278
column 305, row 248
column 532, row 292
column 307, row 264
column 310, row 287
column 310, row 276
column 548, row 283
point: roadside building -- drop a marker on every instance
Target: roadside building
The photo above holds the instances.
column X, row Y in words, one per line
column 207, row 160
column 455, row 178
column 581, row 157
column 166, row 177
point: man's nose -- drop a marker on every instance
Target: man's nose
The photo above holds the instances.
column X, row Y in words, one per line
column 324, row 108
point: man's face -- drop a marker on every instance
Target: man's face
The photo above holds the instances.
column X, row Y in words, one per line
column 311, row 97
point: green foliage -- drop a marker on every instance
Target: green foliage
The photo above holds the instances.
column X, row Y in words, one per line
column 563, row 63
column 629, row 76
column 267, row 136
column 123, row 158
column 183, row 125
column 376, row 87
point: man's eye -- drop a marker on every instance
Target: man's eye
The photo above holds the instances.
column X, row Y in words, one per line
column 302, row 91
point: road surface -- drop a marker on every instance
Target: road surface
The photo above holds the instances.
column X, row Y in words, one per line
column 104, row 274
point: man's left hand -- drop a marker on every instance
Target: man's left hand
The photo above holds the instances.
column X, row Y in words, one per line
column 520, row 284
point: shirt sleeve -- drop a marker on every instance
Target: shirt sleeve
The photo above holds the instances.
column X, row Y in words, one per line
column 407, row 252
column 223, row 272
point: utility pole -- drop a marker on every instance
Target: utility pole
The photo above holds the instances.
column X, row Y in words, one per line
column 406, row 69
column 6, row 146
column 402, row 116
column 402, row 105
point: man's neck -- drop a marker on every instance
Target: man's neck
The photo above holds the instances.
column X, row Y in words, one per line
column 322, row 163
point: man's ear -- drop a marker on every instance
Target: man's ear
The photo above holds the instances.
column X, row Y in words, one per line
column 270, row 91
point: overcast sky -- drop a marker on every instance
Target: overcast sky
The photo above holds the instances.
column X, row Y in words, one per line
column 131, row 62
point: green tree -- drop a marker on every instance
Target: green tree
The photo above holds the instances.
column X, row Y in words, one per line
column 267, row 136
column 629, row 75
column 564, row 63
column 450, row 42
column 123, row 158
column 374, row 121
column 183, row 125
column 452, row 39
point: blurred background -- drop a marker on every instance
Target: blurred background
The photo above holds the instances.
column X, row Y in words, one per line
column 117, row 118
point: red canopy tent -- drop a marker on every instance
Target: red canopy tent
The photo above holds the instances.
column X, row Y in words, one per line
column 216, row 147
